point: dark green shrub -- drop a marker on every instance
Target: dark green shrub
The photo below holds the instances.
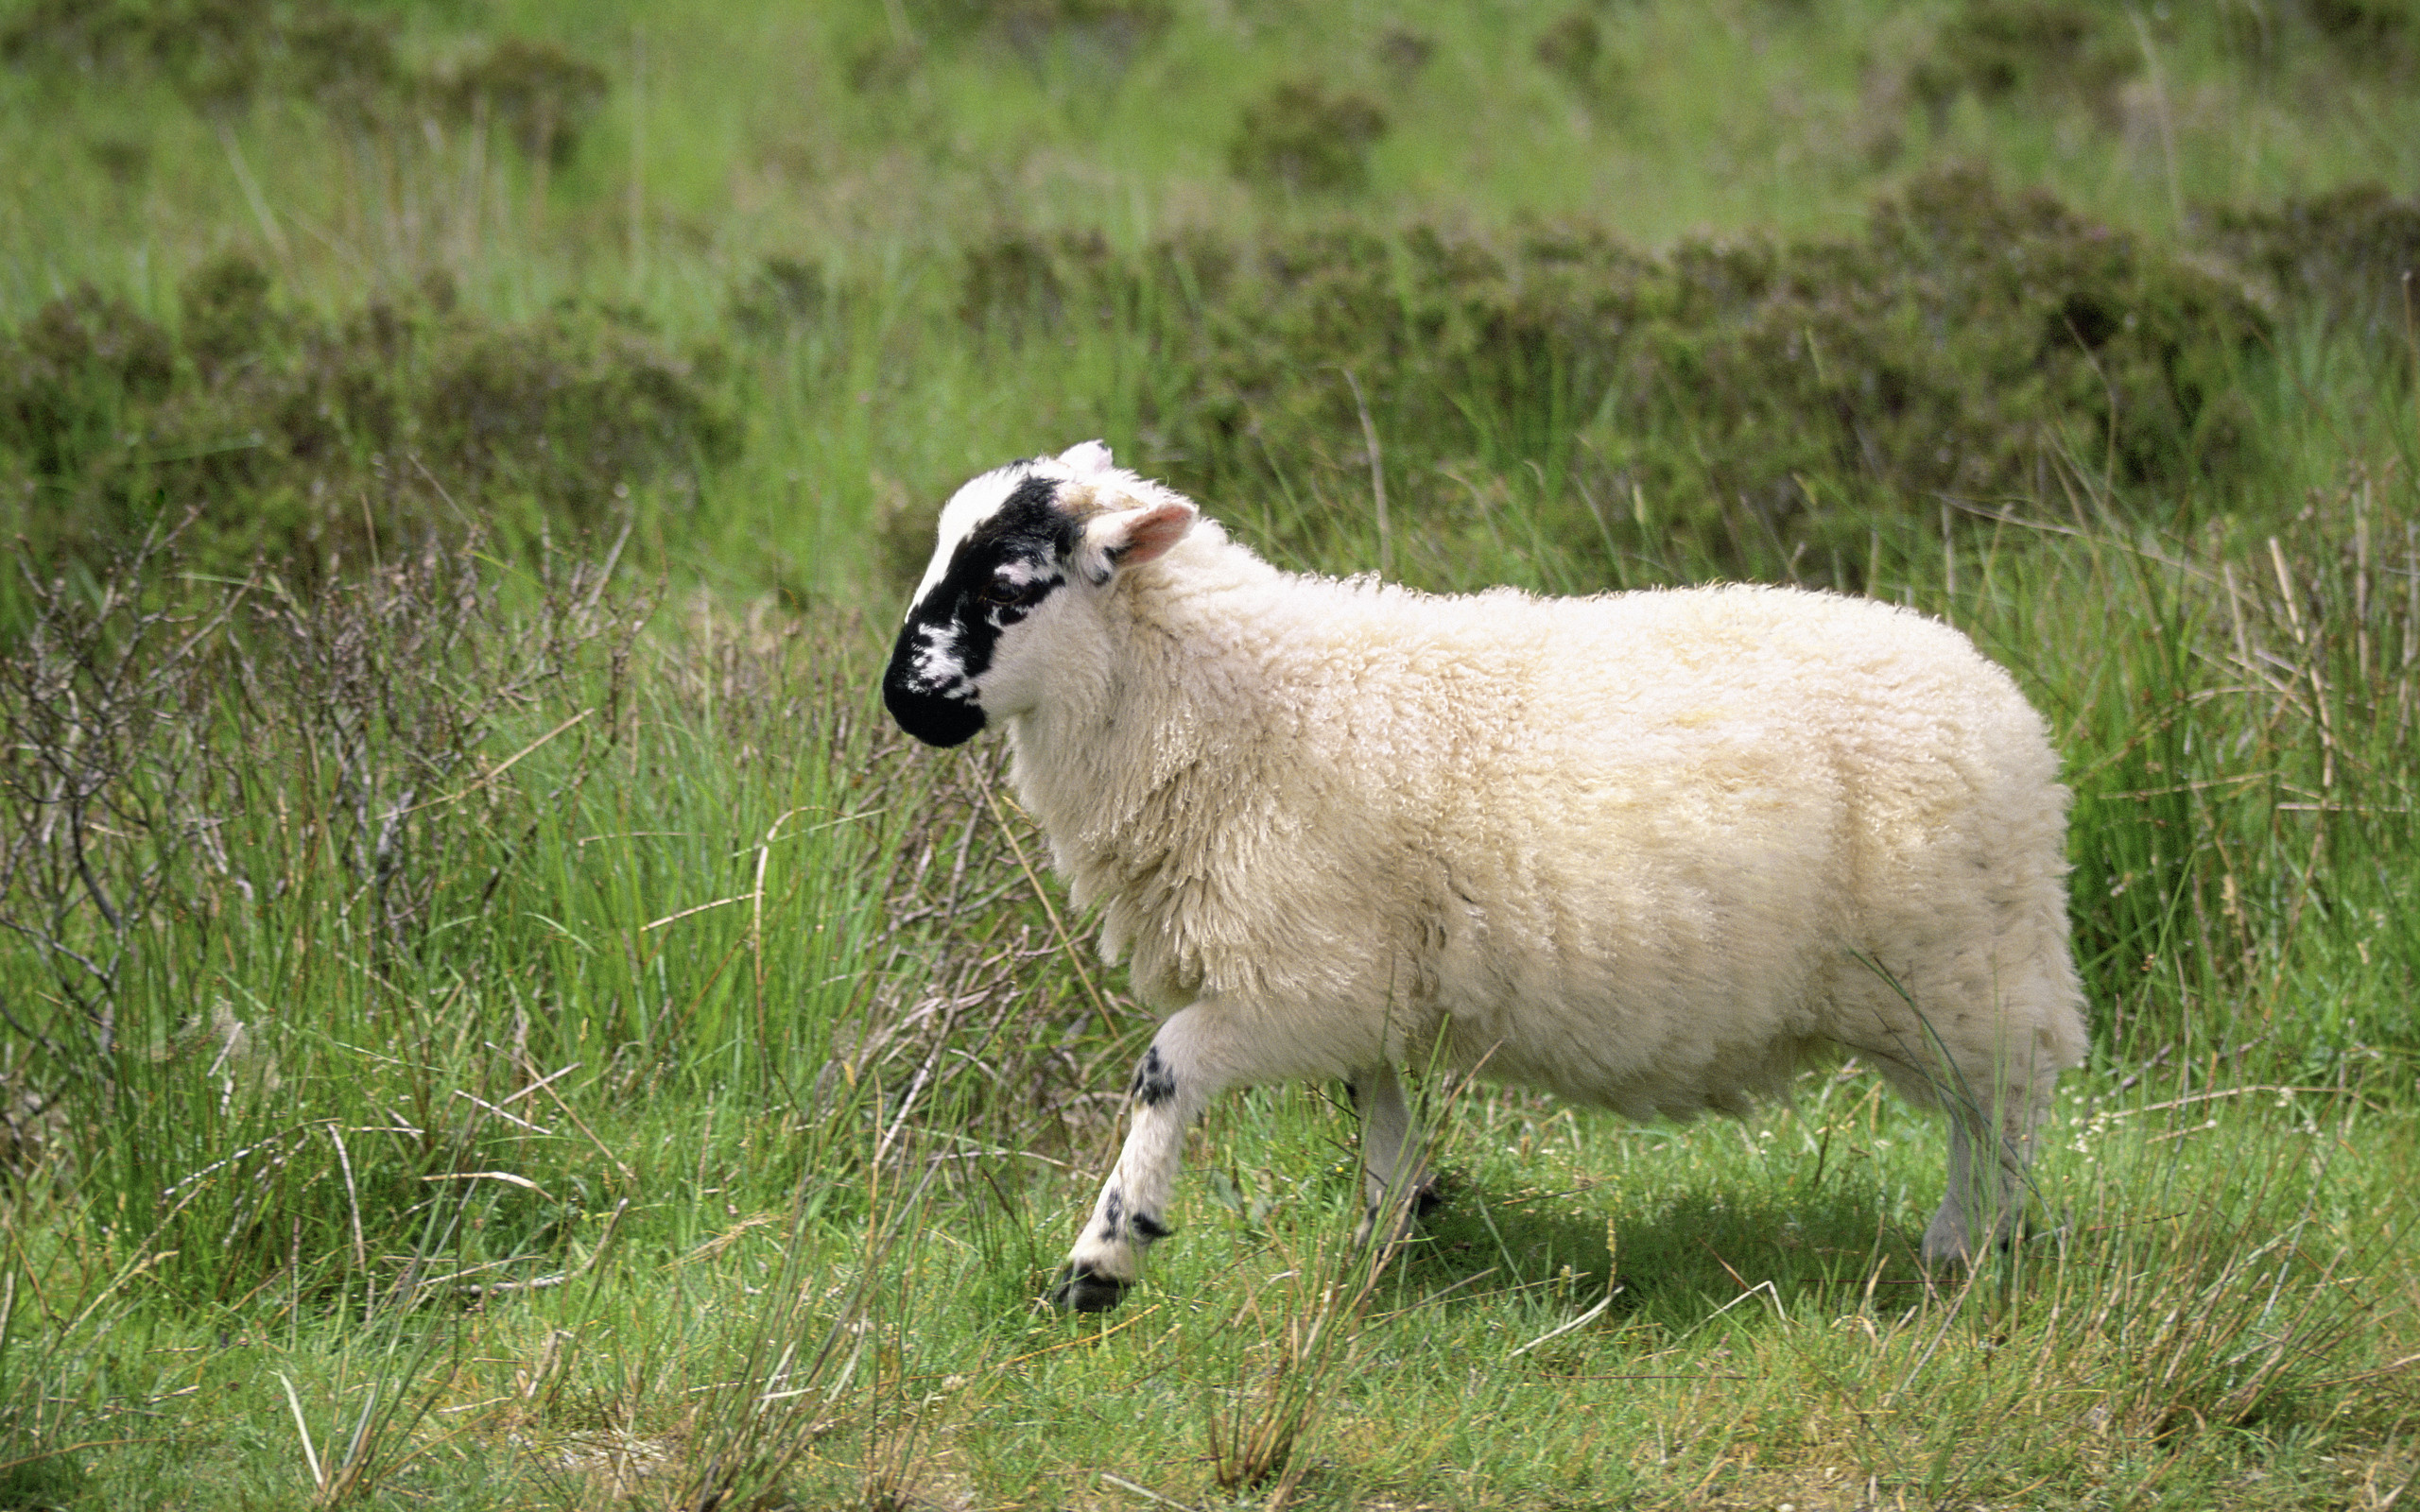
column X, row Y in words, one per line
column 125, row 160
column 1404, row 53
column 1099, row 39
column 2375, row 29
column 219, row 53
column 346, row 63
column 1998, row 48
column 1106, row 32
column 1574, row 50
column 227, row 316
column 70, row 374
column 2057, row 316
column 786, row 297
column 294, row 435
column 1134, row 21
column 568, row 408
column 1300, row 138
column 82, row 36
column 1570, row 48
column 534, row 92
column 1019, row 279
column 2343, row 255
column 1745, row 402
column 881, row 65
column 223, row 55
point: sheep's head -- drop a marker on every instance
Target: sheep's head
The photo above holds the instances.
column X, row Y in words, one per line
column 1019, row 546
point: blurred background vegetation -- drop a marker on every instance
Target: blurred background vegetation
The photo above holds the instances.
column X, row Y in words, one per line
column 1730, row 286
column 464, row 456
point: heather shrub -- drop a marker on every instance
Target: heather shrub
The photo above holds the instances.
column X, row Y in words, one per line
column 2342, row 256
column 1299, row 138
column 2050, row 49
column 226, row 56
column 305, row 438
column 1751, row 400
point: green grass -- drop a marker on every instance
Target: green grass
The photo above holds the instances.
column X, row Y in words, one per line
column 495, row 1016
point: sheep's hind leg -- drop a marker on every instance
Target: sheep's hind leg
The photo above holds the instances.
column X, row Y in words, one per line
column 1990, row 1152
column 1391, row 1174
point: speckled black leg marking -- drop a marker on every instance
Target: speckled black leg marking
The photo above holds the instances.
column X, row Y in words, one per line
column 1155, row 1083
column 1200, row 1049
column 1114, row 1217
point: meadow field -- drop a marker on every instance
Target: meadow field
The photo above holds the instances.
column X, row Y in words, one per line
column 492, row 1015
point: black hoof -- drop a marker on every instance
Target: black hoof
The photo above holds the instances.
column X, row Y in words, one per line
column 1428, row 1199
column 1087, row 1291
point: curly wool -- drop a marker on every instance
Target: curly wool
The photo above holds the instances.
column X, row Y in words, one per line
column 1643, row 850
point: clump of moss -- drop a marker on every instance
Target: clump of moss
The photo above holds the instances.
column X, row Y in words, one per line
column 294, row 435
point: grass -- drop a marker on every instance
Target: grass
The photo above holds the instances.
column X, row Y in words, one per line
column 491, row 1014
column 707, row 1115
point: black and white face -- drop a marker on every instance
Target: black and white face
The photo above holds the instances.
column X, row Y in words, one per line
column 1017, row 545
column 1005, row 545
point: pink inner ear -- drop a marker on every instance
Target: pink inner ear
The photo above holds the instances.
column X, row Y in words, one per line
column 1151, row 536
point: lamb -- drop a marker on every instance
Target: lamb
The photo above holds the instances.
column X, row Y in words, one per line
column 1650, row 851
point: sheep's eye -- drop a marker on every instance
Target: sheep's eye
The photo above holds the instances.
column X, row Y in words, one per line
column 1001, row 594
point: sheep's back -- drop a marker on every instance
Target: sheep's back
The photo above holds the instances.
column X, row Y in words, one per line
column 1680, row 812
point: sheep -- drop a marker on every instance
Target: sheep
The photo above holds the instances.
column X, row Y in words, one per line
column 1650, row 850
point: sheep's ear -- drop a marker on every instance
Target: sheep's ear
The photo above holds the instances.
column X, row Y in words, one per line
column 1086, row 456
column 1129, row 538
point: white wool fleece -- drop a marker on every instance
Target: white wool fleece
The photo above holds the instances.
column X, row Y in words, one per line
column 1699, row 819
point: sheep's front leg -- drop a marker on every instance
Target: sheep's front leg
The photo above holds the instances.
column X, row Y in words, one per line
column 1391, row 1168
column 1169, row 1091
column 1198, row 1054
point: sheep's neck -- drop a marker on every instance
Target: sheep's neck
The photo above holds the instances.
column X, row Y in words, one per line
column 1145, row 774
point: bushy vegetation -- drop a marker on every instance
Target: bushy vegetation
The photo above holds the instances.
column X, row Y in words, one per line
column 1743, row 401
column 225, row 56
column 491, row 1013
column 1301, row 139
column 298, row 439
